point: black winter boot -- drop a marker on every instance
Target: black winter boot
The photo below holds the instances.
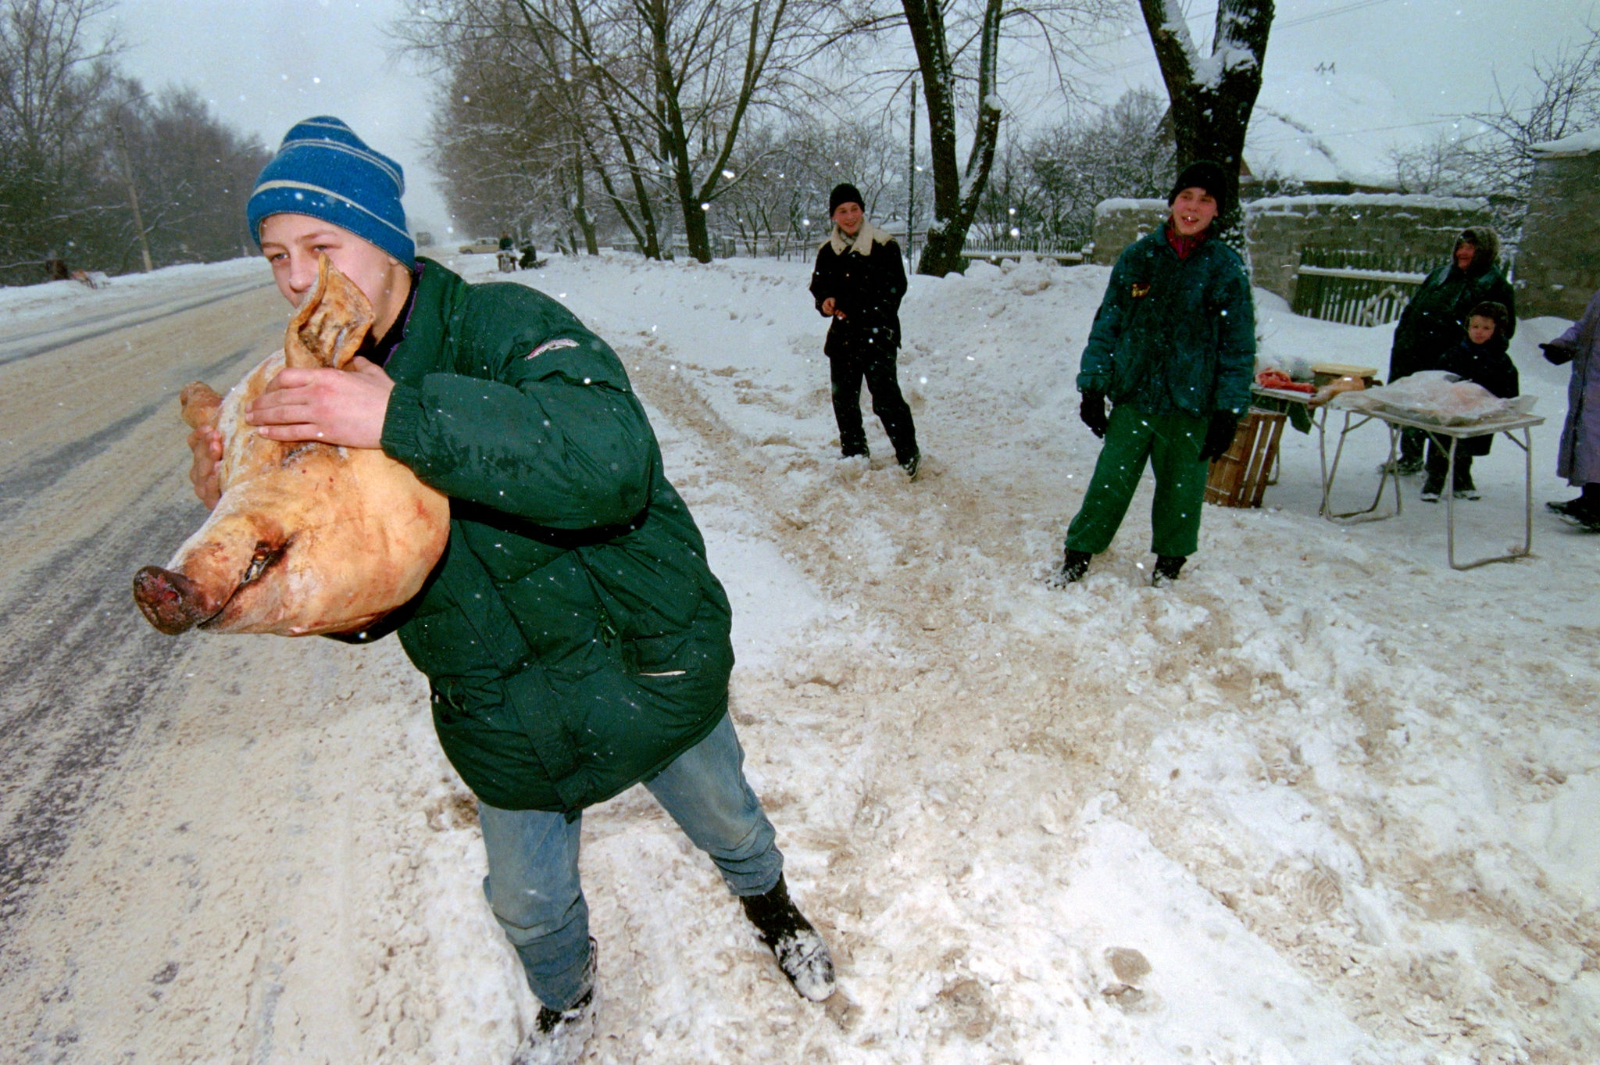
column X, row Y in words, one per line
column 559, row 1036
column 1167, row 567
column 1584, row 514
column 1074, row 565
column 801, row 953
column 1583, row 511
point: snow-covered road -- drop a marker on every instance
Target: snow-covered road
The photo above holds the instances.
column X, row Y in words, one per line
column 1324, row 800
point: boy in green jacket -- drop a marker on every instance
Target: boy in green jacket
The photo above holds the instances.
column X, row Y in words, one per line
column 574, row 638
column 1173, row 348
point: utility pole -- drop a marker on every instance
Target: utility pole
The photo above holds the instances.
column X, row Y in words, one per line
column 133, row 195
column 911, row 184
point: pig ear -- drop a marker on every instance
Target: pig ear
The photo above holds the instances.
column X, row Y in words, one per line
column 330, row 323
column 200, row 405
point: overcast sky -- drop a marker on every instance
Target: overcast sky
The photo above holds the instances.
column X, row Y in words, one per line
column 266, row 64
column 1365, row 75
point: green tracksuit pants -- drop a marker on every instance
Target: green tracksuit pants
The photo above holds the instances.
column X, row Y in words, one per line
column 1171, row 444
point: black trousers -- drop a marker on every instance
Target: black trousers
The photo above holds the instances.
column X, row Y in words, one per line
column 1411, row 444
column 1438, row 463
column 847, row 370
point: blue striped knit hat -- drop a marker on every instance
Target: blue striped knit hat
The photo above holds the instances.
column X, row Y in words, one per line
column 324, row 170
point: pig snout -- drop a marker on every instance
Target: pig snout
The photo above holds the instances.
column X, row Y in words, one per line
column 170, row 601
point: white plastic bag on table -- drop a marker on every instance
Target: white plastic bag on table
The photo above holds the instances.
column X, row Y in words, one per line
column 1435, row 396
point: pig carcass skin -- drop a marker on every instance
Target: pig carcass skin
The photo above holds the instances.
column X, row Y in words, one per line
column 307, row 537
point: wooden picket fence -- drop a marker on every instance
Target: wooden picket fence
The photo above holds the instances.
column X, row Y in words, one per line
column 992, row 249
column 1357, row 286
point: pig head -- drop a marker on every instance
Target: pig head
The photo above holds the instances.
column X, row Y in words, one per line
column 307, row 537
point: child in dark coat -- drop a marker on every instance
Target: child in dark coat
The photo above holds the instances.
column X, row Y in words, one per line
column 1481, row 359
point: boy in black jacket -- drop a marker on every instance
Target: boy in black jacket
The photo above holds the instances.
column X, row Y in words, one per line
column 858, row 282
column 1481, row 359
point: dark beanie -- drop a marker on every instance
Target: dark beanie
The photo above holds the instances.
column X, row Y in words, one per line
column 324, row 170
column 1202, row 174
column 845, row 193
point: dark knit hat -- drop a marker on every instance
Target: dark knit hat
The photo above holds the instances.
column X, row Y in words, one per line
column 845, row 193
column 324, row 170
column 1202, row 174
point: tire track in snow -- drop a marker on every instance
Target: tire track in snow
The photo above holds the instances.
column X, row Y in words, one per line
column 82, row 673
column 42, row 342
column 41, row 471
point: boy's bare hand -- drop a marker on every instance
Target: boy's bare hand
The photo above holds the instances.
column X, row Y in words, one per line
column 343, row 407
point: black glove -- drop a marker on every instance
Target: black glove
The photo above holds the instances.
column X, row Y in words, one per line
column 1219, row 434
column 1093, row 413
column 1556, row 355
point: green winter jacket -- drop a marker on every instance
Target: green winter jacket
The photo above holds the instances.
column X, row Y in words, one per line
column 574, row 636
column 1174, row 336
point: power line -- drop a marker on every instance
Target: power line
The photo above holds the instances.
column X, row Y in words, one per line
column 1385, row 129
column 1358, row 5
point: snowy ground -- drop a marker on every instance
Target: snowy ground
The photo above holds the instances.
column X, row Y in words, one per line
column 1323, row 800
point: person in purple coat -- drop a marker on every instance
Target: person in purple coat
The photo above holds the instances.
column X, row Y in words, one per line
column 1578, row 459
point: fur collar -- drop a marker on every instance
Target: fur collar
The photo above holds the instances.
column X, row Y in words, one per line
column 865, row 238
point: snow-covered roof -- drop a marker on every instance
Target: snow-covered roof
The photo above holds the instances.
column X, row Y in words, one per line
column 1279, row 203
column 1567, row 147
column 1120, row 203
column 1369, row 199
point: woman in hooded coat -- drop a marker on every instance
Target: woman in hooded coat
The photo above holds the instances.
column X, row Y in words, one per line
column 1434, row 322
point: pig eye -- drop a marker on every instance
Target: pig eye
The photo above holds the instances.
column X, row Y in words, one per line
column 265, row 555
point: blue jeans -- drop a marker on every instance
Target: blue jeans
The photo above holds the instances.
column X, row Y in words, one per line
column 533, row 885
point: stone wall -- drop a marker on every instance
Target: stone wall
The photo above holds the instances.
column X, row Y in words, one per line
column 1277, row 228
column 1558, row 269
column 1118, row 223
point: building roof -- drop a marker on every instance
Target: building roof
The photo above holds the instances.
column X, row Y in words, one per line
column 1568, row 147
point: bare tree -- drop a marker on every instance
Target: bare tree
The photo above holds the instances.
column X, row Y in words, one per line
column 94, row 170
column 1212, row 95
column 1495, row 160
column 190, row 172
column 777, row 199
column 1446, row 165
column 507, row 127
column 653, row 95
column 1564, row 99
column 1093, row 155
column 710, row 63
column 52, row 77
column 961, row 61
column 955, row 201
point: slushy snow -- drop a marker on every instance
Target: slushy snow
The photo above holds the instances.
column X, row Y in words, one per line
column 1322, row 800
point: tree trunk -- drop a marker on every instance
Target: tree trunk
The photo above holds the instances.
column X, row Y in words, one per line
column 956, row 193
column 641, row 194
column 674, row 138
column 580, row 212
column 574, row 33
column 1212, row 97
column 644, row 231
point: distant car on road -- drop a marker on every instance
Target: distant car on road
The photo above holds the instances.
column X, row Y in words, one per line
column 481, row 245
